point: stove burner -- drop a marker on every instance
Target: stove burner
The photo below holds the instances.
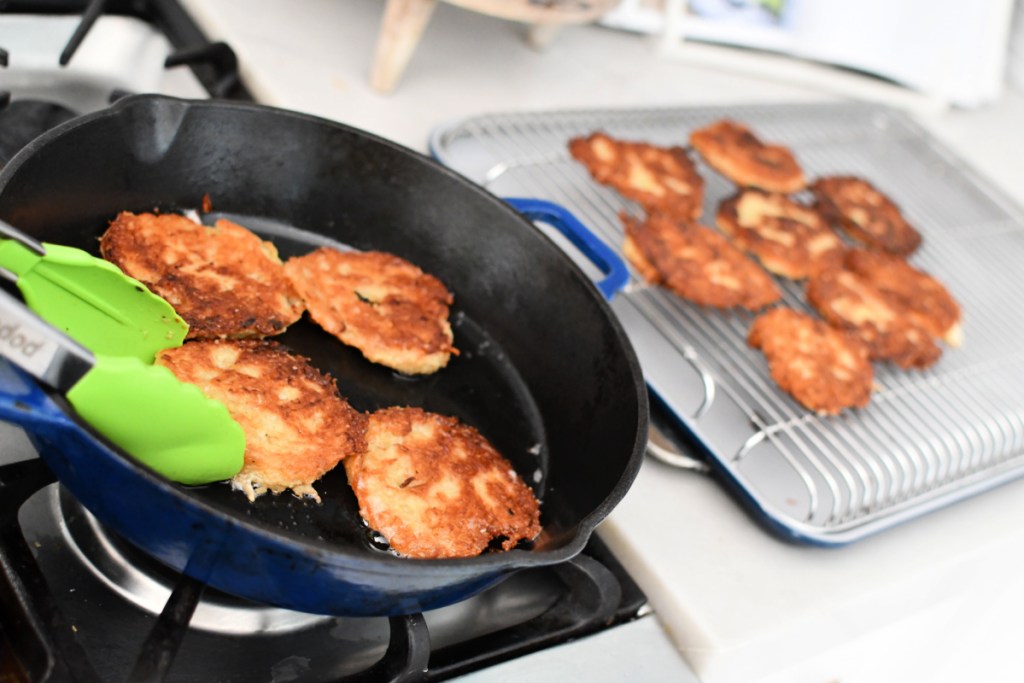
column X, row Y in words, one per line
column 148, row 584
column 21, row 121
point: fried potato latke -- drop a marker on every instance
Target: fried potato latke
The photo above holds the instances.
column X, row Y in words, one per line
column 734, row 151
column 660, row 179
column 824, row 369
column 923, row 298
column 435, row 487
column 865, row 214
column 696, row 263
column 789, row 239
column 379, row 303
column 224, row 281
column 846, row 300
column 297, row 427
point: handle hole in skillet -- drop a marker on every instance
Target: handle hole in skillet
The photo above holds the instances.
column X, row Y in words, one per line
column 480, row 386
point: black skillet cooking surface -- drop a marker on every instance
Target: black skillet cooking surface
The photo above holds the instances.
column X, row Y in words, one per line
column 479, row 386
column 545, row 370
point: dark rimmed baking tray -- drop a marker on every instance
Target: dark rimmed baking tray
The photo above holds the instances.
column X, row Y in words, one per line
column 929, row 438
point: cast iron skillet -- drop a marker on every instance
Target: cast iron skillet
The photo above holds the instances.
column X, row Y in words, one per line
column 545, row 371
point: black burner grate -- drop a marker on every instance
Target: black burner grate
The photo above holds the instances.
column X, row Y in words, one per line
column 60, row 636
column 214, row 64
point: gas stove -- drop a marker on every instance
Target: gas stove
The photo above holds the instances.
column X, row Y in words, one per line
column 77, row 602
column 64, row 59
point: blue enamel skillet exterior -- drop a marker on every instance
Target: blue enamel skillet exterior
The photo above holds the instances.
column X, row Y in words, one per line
column 545, row 372
column 163, row 520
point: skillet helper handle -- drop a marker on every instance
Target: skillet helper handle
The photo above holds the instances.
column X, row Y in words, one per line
column 616, row 275
column 24, row 403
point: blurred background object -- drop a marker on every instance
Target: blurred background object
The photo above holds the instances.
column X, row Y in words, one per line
column 1015, row 50
column 404, row 21
column 948, row 52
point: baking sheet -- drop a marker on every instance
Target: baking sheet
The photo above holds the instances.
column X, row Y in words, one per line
column 929, row 437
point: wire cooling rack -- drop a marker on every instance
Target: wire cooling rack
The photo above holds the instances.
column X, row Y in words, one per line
column 928, row 438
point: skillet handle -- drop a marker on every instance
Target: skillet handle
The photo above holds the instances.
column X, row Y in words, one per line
column 616, row 275
column 24, row 403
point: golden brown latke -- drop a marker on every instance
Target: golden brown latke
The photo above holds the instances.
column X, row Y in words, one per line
column 734, row 151
column 924, row 299
column 824, row 369
column 381, row 304
column 660, row 179
column 224, row 281
column 435, row 487
column 296, row 426
column 865, row 213
column 697, row 264
column 848, row 301
column 789, row 239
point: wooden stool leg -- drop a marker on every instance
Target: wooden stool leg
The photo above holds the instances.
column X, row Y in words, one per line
column 539, row 36
column 400, row 31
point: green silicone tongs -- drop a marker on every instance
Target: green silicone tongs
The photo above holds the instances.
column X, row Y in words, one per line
column 94, row 340
column 144, row 409
column 88, row 298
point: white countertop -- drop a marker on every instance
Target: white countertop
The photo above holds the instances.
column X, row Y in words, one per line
column 937, row 599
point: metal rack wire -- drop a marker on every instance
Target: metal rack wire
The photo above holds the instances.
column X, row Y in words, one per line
column 929, row 437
